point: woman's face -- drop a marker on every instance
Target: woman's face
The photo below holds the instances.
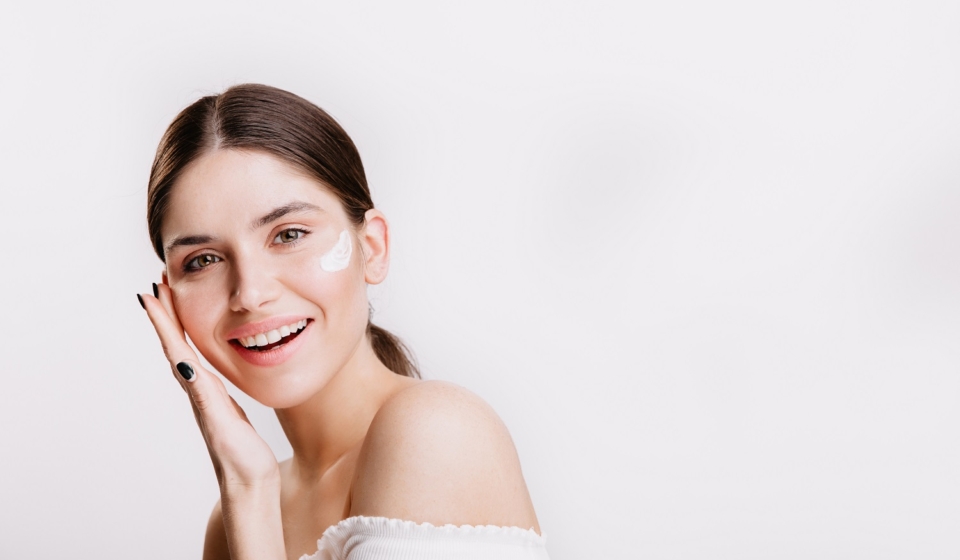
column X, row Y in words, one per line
column 245, row 237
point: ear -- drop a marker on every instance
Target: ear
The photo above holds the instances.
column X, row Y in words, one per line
column 375, row 246
column 163, row 277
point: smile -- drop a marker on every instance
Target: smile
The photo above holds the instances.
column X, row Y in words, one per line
column 268, row 340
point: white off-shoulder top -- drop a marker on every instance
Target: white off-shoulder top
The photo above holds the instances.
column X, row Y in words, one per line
column 380, row 538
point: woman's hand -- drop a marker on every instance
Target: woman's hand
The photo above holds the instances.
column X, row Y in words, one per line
column 246, row 468
column 241, row 459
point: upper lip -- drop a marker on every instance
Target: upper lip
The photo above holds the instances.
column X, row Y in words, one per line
column 251, row 329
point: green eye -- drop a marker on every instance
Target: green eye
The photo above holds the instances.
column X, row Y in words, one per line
column 289, row 236
column 201, row 261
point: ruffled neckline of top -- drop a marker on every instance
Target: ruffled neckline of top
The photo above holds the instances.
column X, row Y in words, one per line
column 384, row 526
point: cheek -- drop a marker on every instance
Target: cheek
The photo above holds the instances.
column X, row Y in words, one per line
column 198, row 309
column 340, row 256
column 333, row 281
column 333, row 284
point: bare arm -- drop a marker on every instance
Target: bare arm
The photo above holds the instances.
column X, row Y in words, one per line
column 252, row 521
column 215, row 542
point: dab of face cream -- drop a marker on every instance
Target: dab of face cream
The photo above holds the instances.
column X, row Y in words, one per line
column 339, row 257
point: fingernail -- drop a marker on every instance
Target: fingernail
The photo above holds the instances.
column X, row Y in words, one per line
column 140, row 299
column 156, row 292
column 186, row 371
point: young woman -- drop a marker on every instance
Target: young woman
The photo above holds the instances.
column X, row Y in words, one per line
column 259, row 208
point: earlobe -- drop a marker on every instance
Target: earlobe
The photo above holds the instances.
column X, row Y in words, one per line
column 375, row 241
column 163, row 278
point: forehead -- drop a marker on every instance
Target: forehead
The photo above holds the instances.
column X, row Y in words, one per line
column 226, row 187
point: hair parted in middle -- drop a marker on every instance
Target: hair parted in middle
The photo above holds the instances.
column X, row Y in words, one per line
column 284, row 125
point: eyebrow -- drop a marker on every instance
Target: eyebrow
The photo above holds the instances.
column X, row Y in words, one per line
column 187, row 240
column 273, row 215
column 282, row 211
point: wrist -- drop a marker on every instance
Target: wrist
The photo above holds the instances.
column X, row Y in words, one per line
column 241, row 488
column 248, row 479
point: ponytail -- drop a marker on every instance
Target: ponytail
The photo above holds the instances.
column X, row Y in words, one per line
column 392, row 352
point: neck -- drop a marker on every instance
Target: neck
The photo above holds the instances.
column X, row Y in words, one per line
column 335, row 420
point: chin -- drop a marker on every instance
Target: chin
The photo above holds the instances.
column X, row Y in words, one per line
column 279, row 389
column 284, row 395
column 279, row 399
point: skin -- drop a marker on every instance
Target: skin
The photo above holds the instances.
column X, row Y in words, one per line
column 365, row 440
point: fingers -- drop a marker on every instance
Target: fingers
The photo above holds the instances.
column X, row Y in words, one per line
column 206, row 391
column 202, row 387
column 168, row 328
column 238, row 454
column 165, row 296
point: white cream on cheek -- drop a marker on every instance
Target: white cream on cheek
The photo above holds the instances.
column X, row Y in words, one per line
column 338, row 258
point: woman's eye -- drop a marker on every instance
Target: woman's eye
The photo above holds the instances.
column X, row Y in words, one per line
column 201, row 261
column 289, row 236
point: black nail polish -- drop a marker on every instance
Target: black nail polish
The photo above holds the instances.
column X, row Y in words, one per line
column 140, row 299
column 156, row 292
column 185, row 371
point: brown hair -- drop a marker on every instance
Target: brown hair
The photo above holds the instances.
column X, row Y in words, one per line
column 259, row 117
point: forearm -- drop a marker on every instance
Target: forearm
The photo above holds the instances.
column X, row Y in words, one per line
column 251, row 519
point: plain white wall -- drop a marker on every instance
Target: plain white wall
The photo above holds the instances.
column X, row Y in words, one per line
column 701, row 257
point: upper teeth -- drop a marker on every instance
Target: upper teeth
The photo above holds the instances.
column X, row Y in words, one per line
column 269, row 337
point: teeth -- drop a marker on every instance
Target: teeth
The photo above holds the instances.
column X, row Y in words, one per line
column 269, row 337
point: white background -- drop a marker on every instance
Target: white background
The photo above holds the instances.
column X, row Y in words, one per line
column 702, row 258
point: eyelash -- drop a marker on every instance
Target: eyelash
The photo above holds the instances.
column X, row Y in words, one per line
column 191, row 268
column 303, row 233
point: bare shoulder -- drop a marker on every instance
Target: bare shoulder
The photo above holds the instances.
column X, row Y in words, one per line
column 215, row 542
column 437, row 453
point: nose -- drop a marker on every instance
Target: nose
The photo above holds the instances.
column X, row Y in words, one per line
column 253, row 285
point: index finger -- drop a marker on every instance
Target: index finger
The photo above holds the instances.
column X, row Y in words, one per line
column 168, row 328
column 163, row 293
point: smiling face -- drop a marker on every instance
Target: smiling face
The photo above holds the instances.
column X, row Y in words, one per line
column 248, row 240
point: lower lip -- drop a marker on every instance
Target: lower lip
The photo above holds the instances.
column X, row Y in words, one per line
column 274, row 356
